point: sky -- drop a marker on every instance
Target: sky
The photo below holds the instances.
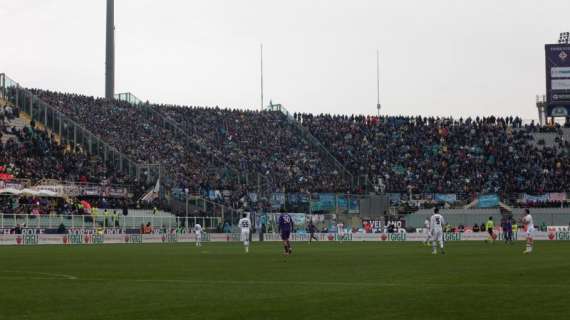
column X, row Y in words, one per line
column 437, row 58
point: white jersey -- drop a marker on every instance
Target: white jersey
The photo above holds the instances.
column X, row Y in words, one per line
column 340, row 228
column 244, row 225
column 436, row 223
column 528, row 223
column 198, row 229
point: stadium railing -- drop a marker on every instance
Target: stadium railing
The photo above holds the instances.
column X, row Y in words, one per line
column 73, row 188
column 198, row 205
column 254, row 180
column 2, row 85
column 469, row 217
column 72, row 133
column 128, row 97
column 10, row 221
column 313, row 140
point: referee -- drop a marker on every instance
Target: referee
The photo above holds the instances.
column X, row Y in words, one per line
column 490, row 225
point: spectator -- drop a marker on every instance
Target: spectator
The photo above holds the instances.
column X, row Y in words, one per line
column 206, row 150
column 476, row 228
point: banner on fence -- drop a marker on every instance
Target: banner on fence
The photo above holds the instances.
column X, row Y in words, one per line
column 93, row 238
column 448, row 198
column 98, row 239
column 297, row 198
column 306, row 236
column 298, row 218
column 488, row 201
column 348, row 203
column 527, row 198
column 394, row 198
column 277, row 200
column 323, row 202
column 557, row 196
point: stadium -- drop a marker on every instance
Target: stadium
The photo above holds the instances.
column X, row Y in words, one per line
column 117, row 207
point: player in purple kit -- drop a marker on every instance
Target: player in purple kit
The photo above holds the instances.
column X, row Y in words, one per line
column 285, row 228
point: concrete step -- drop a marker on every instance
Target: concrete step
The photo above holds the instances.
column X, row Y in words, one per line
column 6, row 137
column 548, row 137
column 18, row 123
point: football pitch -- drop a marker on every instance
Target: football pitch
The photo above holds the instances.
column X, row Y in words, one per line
column 323, row 280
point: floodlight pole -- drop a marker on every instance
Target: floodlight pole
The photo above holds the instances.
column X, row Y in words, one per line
column 378, row 106
column 261, row 63
column 110, row 51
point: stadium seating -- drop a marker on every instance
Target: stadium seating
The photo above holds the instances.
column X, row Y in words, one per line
column 259, row 141
column 245, row 141
column 141, row 135
column 27, row 152
column 442, row 155
column 201, row 146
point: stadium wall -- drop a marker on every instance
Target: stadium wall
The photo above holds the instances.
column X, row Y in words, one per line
column 100, row 239
column 469, row 217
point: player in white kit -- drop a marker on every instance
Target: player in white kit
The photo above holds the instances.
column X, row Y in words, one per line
column 427, row 231
column 436, row 223
column 198, row 233
column 529, row 229
column 340, row 231
column 245, row 225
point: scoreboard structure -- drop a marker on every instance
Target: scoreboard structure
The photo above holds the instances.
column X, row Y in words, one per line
column 558, row 78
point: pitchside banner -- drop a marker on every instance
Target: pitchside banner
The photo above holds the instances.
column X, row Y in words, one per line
column 90, row 238
column 98, row 239
column 418, row 237
column 558, row 80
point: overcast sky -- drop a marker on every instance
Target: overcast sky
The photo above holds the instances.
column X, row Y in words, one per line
column 438, row 57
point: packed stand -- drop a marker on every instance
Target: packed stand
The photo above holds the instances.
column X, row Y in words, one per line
column 444, row 155
column 140, row 135
column 259, row 141
column 31, row 153
column 402, row 154
column 222, row 143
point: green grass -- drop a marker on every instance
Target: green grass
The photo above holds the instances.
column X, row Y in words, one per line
column 320, row 281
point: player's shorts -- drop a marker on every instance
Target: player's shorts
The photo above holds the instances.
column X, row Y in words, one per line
column 244, row 236
column 529, row 232
column 285, row 235
column 341, row 234
column 198, row 236
column 490, row 231
column 437, row 235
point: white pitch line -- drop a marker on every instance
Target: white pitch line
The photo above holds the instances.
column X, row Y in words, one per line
column 54, row 275
column 296, row 283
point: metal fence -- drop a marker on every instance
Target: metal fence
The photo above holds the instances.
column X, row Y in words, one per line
column 73, row 133
column 470, row 219
column 10, row 221
column 306, row 134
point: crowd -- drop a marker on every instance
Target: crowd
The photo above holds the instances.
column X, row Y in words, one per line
column 31, row 153
column 141, row 135
column 399, row 154
column 444, row 155
column 218, row 148
column 7, row 113
column 28, row 155
column 259, row 141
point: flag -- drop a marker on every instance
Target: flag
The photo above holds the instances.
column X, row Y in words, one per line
column 153, row 193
